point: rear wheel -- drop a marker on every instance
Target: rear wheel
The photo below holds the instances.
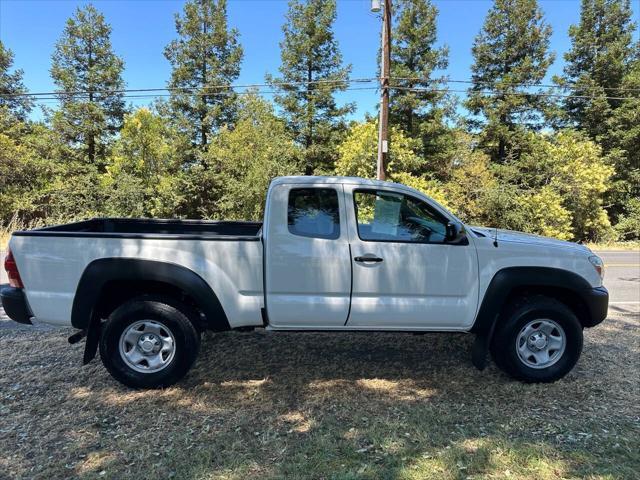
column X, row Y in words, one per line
column 149, row 342
column 538, row 339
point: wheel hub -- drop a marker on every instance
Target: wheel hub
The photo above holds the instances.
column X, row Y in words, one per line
column 537, row 341
column 149, row 343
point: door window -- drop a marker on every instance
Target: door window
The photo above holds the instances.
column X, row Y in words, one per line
column 393, row 217
column 313, row 212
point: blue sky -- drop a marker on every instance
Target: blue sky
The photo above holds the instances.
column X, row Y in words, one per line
column 142, row 28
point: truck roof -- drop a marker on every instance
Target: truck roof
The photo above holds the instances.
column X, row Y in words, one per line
column 309, row 179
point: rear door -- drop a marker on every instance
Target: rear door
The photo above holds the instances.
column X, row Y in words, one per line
column 405, row 276
column 307, row 260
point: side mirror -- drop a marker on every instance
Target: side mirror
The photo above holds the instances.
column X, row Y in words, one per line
column 454, row 230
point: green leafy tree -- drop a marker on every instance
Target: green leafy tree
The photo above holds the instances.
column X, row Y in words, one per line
column 235, row 173
column 30, row 161
column 358, row 150
column 83, row 61
column 206, row 60
column 35, row 189
column 573, row 167
column 511, row 54
column 20, row 174
column 421, row 114
column 628, row 227
column 12, row 88
column 471, row 182
column 143, row 172
column 543, row 212
column 311, row 74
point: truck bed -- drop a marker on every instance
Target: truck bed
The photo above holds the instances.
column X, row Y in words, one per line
column 226, row 255
column 151, row 228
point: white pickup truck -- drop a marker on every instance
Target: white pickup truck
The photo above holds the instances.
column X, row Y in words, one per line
column 333, row 253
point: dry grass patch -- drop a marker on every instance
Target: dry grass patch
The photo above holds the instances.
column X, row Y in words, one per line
column 630, row 245
column 344, row 406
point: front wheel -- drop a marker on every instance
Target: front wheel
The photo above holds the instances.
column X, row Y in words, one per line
column 538, row 339
column 149, row 342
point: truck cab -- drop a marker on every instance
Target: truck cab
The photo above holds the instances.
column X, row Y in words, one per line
column 344, row 255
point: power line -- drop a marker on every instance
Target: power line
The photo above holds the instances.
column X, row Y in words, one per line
column 508, row 94
column 216, row 89
column 572, row 86
column 197, row 94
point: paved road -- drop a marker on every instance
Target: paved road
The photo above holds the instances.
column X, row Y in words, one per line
column 622, row 278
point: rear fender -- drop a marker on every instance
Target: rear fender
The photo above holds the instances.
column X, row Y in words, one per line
column 99, row 273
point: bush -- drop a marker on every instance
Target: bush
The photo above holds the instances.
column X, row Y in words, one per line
column 628, row 227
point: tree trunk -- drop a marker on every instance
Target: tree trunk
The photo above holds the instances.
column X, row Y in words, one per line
column 308, row 169
column 502, row 142
column 91, row 139
column 203, row 115
column 502, row 151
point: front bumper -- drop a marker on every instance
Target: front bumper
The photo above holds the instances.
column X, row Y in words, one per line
column 597, row 301
column 15, row 305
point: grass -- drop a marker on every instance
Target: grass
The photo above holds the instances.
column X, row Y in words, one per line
column 628, row 245
column 5, row 235
column 16, row 224
column 313, row 405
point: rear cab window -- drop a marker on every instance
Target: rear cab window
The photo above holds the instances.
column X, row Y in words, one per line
column 314, row 213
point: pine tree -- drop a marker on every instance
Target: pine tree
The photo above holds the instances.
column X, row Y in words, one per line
column 511, row 54
column 83, row 61
column 205, row 59
column 623, row 140
column 600, row 57
column 12, row 88
column 311, row 74
column 421, row 115
column 600, row 65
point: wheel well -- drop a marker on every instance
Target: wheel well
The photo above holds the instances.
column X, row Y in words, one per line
column 115, row 292
column 570, row 298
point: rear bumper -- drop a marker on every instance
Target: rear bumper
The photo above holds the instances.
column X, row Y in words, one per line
column 597, row 301
column 15, row 305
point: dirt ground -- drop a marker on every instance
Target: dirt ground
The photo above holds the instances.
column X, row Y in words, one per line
column 314, row 405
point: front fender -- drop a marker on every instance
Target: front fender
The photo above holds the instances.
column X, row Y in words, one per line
column 593, row 301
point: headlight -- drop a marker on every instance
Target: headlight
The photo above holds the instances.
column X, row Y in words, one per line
column 598, row 264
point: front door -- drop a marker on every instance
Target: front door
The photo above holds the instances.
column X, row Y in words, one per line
column 405, row 275
column 307, row 261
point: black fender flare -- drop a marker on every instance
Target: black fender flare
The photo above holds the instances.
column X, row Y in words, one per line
column 502, row 285
column 104, row 270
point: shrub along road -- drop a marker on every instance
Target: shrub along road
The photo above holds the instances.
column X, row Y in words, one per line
column 328, row 406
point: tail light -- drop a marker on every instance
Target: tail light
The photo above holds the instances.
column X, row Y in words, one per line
column 12, row 271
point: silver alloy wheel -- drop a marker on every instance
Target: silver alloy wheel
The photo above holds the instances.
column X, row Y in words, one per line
column 541, row 343
column 147, row 346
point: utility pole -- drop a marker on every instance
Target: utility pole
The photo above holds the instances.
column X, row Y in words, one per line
column 383, row 134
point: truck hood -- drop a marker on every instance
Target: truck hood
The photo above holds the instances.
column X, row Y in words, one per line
column 528, row 238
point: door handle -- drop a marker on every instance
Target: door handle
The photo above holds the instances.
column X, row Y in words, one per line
column 368, row 258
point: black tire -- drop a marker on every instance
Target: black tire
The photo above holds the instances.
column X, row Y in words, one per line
column 176, row 319
column 504, row 346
